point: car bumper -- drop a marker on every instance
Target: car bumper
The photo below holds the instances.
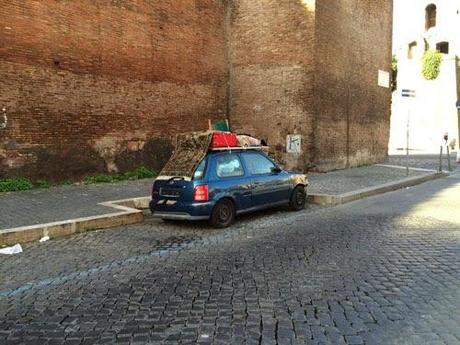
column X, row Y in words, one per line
column 178, row 216
column 181, row 211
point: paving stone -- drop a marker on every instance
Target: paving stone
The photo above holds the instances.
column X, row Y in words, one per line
column 369, row 272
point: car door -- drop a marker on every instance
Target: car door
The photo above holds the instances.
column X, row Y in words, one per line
column 270, row 185
column 230, row 179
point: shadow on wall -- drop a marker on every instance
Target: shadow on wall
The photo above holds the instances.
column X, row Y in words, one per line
column 74, row 161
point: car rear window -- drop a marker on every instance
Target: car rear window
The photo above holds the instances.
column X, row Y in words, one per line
column 229, row 165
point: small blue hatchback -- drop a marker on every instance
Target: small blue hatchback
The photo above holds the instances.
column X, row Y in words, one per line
column 227, row 183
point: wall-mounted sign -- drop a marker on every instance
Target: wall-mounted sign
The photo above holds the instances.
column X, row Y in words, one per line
column 384, row 79
column 293, row 143
column 408, row 93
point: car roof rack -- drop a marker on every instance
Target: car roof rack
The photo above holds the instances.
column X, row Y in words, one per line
column 261, row 148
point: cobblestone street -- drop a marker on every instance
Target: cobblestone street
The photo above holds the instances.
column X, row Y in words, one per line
column 384, row 270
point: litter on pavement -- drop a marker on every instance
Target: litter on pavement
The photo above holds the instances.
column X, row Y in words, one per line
column 44, row 239
column 16, row 249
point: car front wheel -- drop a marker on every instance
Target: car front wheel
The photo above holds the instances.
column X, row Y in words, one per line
column 223, row 214
column 298, row 198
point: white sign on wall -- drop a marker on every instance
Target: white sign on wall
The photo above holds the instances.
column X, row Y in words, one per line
column 293, row 143
column 384, row 79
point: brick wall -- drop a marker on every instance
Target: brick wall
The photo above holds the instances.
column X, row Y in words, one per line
column 103, row 86
column 271, row 55
column 310, row 68
column 94, row 86
column 353, row 42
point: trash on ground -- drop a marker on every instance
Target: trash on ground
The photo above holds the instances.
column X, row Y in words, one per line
column 44, row 239
column 16, row 249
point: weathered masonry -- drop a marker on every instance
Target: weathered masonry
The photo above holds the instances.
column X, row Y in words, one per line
column 104, row 86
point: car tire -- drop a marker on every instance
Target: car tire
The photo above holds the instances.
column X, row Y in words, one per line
column 223, row 214
column 298, row 198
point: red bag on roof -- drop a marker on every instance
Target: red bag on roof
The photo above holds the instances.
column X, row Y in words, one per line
column 224, row 139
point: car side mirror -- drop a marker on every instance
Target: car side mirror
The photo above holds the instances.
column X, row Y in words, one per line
column 276, row 170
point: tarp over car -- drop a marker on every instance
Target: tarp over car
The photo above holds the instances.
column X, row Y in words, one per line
column 191, row 148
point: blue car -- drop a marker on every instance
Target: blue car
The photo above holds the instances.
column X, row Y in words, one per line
column 227, row 183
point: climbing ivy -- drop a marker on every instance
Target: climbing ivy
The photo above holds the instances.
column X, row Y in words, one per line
column 394, row 73
column 431, row 64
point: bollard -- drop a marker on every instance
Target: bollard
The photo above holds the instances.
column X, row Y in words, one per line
column 440, row 160
column 448, row 159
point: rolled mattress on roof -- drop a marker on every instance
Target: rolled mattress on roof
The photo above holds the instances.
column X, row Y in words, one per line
column 190, row 149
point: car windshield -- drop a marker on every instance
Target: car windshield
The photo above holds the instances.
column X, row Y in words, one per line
column 200, row 170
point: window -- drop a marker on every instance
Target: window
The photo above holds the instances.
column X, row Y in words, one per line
column 200, row 170
column 258, row 164
column 443, row 47
column 229, row 165
column 411, row 50
column 430, row 16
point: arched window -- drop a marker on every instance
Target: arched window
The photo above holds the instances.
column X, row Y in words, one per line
column 443, row 47
column 430, row 16
column 411, row 50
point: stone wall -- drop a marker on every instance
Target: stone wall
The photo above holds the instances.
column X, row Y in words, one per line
column 96, row 86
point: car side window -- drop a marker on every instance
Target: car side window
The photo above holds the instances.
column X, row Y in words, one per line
column 200, row 170
column 228, row 165
column 258, row 164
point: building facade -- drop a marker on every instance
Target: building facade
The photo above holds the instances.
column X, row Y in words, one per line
column 104, row 86
column 420, row 26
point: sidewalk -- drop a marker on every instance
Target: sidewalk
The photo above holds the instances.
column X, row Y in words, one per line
column 426, row 161
column 71, row 206
column 66, row 202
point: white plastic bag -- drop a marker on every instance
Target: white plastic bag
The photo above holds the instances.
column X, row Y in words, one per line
column 16, row 249
column 44, row 239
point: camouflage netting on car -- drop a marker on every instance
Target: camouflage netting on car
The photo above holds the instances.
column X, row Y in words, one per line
column 190, row 149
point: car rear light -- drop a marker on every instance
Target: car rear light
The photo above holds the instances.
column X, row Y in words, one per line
column 201, row 193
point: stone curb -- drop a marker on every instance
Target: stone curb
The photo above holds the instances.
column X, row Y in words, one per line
column 327, row 199
column 130, row 212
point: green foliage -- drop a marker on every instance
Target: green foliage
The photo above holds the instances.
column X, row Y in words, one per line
column 15, row 184
column 431, row 64
column 143, row 172
column 42, row 184
column 19, row 184
column 139, row 173
column 98, row 179
column 394, row 73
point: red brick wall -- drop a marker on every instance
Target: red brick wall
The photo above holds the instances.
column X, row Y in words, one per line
column 310, row 68
column 93, row 86
column 353, row 41
column 272, row 80
column 96, row 86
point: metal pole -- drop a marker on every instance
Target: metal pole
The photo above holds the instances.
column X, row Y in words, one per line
column 407, row 142
column 448, row 158
column 440, row 160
